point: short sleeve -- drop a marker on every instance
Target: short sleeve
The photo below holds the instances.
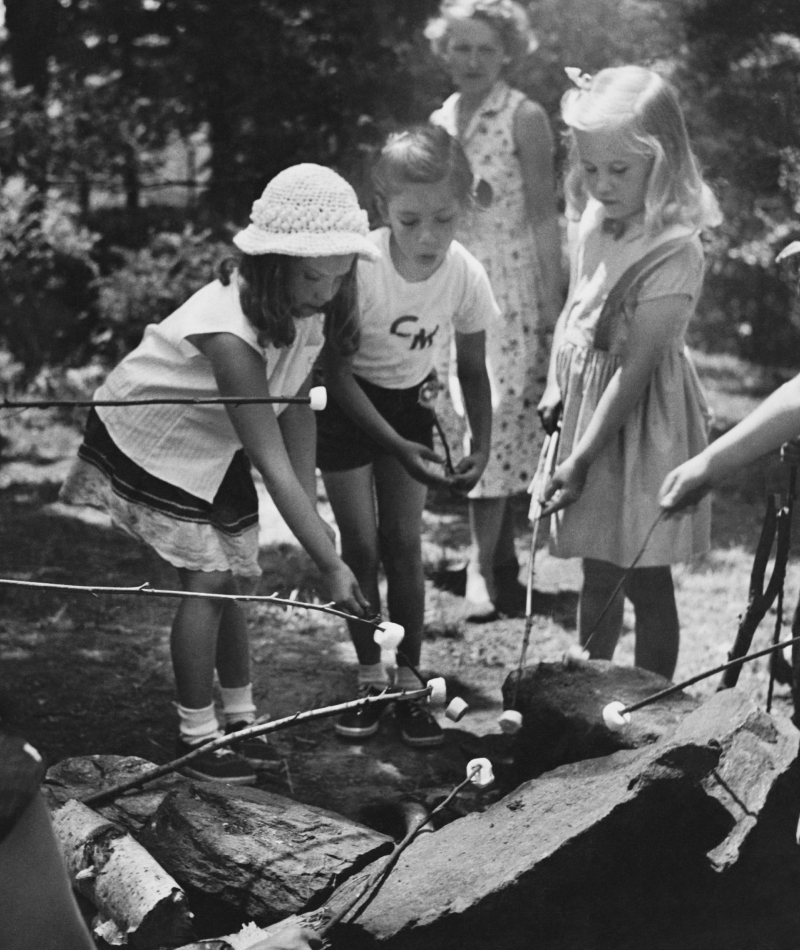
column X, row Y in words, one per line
column 680, row 274
column 477, row 309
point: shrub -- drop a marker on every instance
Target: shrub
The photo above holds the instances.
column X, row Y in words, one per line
column 151, row 283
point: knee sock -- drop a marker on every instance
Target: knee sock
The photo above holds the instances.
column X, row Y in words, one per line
column 237, row 704
column 198, row 725
column 372, row 674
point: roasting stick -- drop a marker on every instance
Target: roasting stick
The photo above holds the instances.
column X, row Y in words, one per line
column 317, row 399
column 617, row 715
column 656, row 521
column 276, row 725
column 475, row 770
column 510, row 721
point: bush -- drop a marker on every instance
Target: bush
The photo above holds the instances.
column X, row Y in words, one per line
column 151, row 283
column 46, row 273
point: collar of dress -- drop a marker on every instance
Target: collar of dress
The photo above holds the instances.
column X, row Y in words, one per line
column 495, row 101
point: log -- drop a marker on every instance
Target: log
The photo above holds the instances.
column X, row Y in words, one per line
column 138, row 902
column 80, row 776
column 261, row 855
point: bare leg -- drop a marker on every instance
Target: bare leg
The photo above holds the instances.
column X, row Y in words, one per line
column 486, row 516
column 351, row 494
column 599, row 580
column 401, row 500
column 206, row 633
column 652, row 593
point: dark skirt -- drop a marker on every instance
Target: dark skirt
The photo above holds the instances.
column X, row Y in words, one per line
column 187, row 531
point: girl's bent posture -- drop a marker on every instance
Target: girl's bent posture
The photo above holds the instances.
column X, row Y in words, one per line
column 620, row 377
column 178, row 476
column 376, row 471
column 516, row 237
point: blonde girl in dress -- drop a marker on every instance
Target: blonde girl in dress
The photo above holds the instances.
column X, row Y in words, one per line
column 516, row 237
column 177, row 476
column 620, row 376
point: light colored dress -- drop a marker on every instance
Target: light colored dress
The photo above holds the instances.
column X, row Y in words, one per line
column 502, row 239
column 667, row 426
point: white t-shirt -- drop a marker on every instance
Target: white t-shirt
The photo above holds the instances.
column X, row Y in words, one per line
column 406, row 326
column 191, row 446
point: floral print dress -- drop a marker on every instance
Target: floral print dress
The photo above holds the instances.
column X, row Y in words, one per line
column 502, row 239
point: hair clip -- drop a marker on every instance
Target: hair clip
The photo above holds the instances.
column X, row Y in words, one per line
column 580, row 79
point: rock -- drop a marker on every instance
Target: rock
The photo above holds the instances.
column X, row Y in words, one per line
column 259, row 854
column 83, row 775
column 562, row 709
column 520, row 874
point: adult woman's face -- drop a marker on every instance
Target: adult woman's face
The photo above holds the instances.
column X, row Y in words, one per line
column 475, row 56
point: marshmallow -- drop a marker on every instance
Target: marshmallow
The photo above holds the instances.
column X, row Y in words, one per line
column 389, row 635
column 479, row 772
column 510, row 722
column 456, row 708
column 438, row 689
column 318, row 398
column 614, row 717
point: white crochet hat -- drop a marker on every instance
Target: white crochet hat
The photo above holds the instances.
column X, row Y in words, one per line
column 307, row 211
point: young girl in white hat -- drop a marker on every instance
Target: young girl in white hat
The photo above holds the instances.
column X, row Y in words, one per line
column 178, row 476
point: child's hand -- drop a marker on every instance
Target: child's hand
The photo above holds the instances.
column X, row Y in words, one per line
column 417, row 459
column 467, row 472
column 685, row 485
column 564, row 487
column 344, row 591
column 549, row 408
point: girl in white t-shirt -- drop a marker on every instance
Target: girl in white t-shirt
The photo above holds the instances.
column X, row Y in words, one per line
column 177, row 476
column 375, row 438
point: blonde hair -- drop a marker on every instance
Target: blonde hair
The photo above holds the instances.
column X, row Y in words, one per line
column 643, row 108
column 422, row 155
column 507, row 18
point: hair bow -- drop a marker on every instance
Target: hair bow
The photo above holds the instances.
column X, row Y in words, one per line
column 581, row 79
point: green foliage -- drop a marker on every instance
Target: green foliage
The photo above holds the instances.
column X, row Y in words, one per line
column 151, row 283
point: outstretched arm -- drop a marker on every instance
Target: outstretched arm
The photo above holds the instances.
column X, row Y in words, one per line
column 474, row 381
column 775, row 421
column 415, row 458
column 650, row 333
column 239, row 371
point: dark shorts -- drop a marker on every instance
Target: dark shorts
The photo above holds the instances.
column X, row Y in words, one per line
column 342, row 445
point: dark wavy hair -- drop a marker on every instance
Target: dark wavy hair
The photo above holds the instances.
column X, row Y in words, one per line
column 265, row 298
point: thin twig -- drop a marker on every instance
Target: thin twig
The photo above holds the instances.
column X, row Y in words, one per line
column 156, row 592
column 259, row 729
column 183, row 401
column 625, row 574
column 677, row 687
column 377, row 880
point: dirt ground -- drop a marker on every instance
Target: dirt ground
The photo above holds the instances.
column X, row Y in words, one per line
column 88, row 674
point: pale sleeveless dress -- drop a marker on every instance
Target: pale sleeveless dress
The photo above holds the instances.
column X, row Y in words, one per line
column 668, row 425
column 502, row 239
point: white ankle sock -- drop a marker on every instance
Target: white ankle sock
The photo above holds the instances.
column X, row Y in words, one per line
column 198, row 725
column 237, row 704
